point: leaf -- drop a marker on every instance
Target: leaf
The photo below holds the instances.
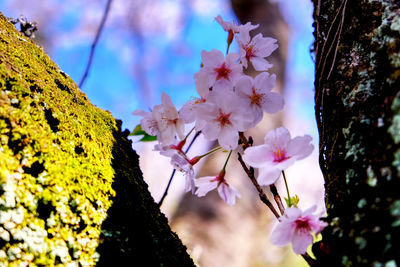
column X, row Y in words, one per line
column 146, row 137
column 138, row 131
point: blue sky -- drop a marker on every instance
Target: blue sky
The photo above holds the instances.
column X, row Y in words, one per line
column 112, row 86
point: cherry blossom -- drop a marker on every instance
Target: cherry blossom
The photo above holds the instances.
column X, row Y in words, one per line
column 255, row 50
column 297, row 227
column 163, row 121
column 226, row 191
column 222, row 116
column 258, row 96
column 277, row 154
column 183, row 164
column 149, row 122
column 189, row 110
column 222, row 72
column 233, row 28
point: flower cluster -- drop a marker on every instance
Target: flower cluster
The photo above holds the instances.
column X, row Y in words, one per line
column 229, row 102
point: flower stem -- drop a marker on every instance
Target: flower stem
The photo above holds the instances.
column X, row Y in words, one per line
column 226, row 161
column 287, row 188
column 189, row 133
column 174, row 171
column 210, row 152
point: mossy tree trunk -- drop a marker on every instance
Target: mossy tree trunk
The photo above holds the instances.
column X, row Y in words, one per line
column 357, row 103
column 71, row 191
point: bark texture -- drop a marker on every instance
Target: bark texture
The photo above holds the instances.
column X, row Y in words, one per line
column 358, row 114
column 71, row 191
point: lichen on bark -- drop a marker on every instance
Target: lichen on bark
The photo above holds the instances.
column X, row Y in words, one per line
column 357, row 83
column 69, row 179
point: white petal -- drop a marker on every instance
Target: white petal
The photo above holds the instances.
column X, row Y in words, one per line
column 257, row 156
column 231, row 58
column 260, row 64
column 150, row 126
column 213, row 58
column 300, row 147
column 300, row 241
column 205, row 185
column 279, row 137
column 189, row 181
column 282, row 234
column 265, row 45
column 264, row 82
column 180, row 128
column 228, row 138
column 139, row 112
column 244, row 86
column 228, row 193
column 187, row 112
column 268, row 175
column 273, row 103
column 211, row 130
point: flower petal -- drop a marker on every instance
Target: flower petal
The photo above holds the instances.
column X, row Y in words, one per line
column 228, row 138
column 273, row 103
column 282, row 234
column 228, row 193
column 300, row 241
column 300, row 147
column 257, row 156
column 268, row 175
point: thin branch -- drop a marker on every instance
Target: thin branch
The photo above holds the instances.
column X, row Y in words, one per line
column 174, row 171
column 277, row 198
column 263, row 197
column 95, row 41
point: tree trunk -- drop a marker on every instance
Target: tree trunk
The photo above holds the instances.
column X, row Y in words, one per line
column 71, row 191
column 357, row 105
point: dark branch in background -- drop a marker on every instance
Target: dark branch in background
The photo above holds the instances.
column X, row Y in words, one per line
column 174, row 171
column 94, row 44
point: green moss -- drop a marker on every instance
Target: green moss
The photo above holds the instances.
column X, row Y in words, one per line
column 55, row 160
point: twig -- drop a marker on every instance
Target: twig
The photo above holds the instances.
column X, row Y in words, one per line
column 174, row 171
column 309, row 260
column 95, row 41
column 263, row 197
column 277, row 198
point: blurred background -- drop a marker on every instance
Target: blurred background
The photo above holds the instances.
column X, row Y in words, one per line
column 151, row 46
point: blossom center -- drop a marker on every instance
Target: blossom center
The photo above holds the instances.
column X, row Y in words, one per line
column 303, row 224
column 280, row 155
column 223, row 118
column 223, row 72
column 249, row 51
column 256, row 99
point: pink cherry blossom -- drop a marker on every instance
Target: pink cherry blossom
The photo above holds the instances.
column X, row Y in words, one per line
column 226, row 191
column 277, row 154
column 255, row 50
column 163, row 121
column 222, row 72
column 258, row 96
column 189, row 109
column 148, row 122
column 296, row 227
column 222, row 116
column 183, row 164
column 234, row 27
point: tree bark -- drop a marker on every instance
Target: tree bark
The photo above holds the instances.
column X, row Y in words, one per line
column 357, row 102
column 71, row 191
